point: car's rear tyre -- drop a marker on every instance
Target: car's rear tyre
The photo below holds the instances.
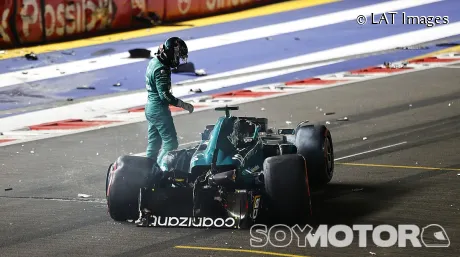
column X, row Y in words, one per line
column 314, row 142
column 125, row 178
column 287, row 188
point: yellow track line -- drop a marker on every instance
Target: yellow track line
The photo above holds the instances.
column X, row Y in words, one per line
column 444, row 51
column 238, row 250
column 395, row 166
column 249, row 13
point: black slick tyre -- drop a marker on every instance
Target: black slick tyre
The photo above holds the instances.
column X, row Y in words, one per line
column 287, row 188
column 314, row 142
column 125, row 177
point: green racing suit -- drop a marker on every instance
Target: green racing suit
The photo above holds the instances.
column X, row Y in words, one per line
column 161, row 130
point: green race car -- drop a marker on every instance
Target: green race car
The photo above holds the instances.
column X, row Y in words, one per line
column 239, row 174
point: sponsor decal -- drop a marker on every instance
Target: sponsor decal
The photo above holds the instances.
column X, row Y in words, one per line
column 253, row 170
column 184, row 6
column 139, row 4
column 67, row 18
column 255, row 210
column 213, row 5
column 29, row 15
column 199, row 222
column 239, row 158
column 4, row 26
column 138, row 8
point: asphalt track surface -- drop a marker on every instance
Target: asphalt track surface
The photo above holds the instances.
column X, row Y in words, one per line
column 41, row 215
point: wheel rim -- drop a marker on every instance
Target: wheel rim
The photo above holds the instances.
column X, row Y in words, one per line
column 107, row 178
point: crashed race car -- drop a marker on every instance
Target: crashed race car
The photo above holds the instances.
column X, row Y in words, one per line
column 240, row 173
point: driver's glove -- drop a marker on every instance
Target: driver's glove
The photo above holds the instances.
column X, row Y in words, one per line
column 185, row 106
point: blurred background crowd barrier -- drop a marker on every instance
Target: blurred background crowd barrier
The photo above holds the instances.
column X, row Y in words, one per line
column 32, row 22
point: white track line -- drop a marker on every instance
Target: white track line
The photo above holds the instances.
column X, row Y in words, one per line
column 370, row 151
column 75, row 67
column 141, row 117
column 89, row 109
column 376, row 45
column 245, row 75
column 336, row 159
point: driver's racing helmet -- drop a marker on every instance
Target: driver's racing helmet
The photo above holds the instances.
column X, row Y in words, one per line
column 244, row 130
column 172, row 51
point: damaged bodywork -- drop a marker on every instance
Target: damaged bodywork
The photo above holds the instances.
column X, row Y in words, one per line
column 240, row 173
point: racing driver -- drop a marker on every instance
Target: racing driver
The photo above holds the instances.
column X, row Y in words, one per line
column 161, row 130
